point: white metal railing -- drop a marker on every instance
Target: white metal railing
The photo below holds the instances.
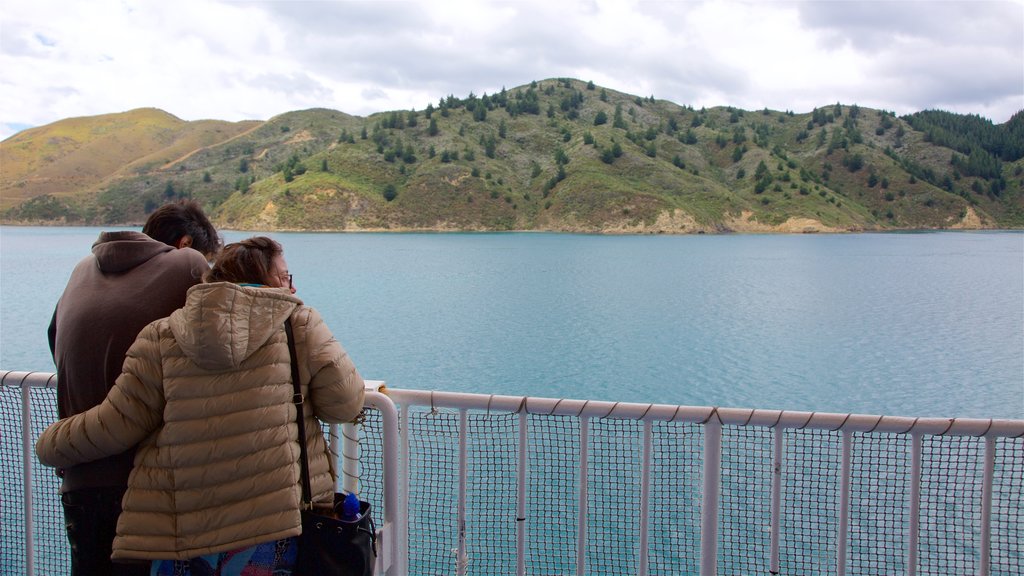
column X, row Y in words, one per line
column 393, row 522
column 712, row 420
column 1000, row 446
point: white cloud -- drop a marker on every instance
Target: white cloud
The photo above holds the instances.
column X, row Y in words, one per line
column 237, row 60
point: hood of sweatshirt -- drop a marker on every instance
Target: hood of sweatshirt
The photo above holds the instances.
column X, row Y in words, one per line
column 223, row 323
column 124, row 250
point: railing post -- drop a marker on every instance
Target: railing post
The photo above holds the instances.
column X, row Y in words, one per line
column 521, row 490
column 645, row 495
column 402, row 541
column 710, row 496
column 986, row 507
column 581, row 516
column 27, row 450
column 844, row 504
column 777, row 463
column 391, row 557
column 462, row 557
column 913, row 530
column 349, row 455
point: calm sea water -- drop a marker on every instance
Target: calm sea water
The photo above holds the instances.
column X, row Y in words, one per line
column 928, row 324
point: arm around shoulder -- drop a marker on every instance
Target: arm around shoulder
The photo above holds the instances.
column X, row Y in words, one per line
column 132, row 409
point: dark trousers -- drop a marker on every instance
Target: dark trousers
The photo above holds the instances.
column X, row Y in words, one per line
column 90, row 518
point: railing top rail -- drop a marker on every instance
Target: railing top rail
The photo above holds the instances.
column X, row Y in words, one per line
column 987, row 427
column 21, row 379
column 31, row 379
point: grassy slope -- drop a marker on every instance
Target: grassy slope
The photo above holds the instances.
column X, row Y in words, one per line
column 80, row 155
column 661, row 182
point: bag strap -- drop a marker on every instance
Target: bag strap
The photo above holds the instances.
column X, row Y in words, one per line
column 300, row 419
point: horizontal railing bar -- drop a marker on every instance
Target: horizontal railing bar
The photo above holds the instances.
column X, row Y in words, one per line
column 30, row 379
column 990, row 428
column 702, row 414
column 33, row 379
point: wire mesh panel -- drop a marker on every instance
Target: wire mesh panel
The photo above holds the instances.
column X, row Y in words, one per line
column 48, row 535
column 52, row 548
column 613, row 502
column 371, row 462
column 879, row 503
column 433, row 491
column 951, row 486
column 491, row 493
column 951, row 493
column 553, row 472
column 745, row 515
column 12, row 499
column 1008, row 508
column 675, row 496
column 810, row 501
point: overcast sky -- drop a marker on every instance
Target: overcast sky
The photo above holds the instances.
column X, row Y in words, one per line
column 234, row 60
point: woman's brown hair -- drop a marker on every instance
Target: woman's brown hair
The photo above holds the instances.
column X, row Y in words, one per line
column 245, row 262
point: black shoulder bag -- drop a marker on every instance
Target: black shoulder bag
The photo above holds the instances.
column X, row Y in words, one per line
column 330, row 544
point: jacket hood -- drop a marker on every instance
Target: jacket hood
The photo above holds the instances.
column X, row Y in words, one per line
column 120, row 251
column 222, row 323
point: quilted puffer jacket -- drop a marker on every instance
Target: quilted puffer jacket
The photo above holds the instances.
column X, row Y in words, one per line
column 206, row 395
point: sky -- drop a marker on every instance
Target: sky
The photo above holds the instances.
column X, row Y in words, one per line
column 239, row 60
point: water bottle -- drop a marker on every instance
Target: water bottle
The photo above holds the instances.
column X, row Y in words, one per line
column 350, row 508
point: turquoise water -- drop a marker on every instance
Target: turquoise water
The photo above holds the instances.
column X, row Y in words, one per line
column 928, row 324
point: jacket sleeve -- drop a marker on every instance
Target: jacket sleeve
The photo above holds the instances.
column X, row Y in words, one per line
column 335, row 386
column 132, row 410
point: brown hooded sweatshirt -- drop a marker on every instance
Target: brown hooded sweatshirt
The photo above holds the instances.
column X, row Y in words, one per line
column 128, row 281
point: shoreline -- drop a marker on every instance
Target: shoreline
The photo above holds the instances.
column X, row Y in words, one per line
column 753, row 231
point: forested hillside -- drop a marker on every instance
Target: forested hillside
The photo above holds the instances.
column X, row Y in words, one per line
column 557, row 154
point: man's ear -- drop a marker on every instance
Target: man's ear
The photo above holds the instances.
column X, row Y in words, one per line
column 184, row 242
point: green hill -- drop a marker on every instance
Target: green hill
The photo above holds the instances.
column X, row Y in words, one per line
column 558, row 154
column 70, row 161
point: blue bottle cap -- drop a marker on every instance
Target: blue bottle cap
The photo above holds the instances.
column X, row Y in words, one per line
column 350, row 508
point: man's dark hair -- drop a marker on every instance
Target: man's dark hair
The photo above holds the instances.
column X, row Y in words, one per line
column 170, row 222
column 247, row 261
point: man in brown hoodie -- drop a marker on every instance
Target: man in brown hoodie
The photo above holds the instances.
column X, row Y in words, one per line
column 129, row 280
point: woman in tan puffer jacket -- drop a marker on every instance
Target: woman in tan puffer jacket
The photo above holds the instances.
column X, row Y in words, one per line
column 206, row 396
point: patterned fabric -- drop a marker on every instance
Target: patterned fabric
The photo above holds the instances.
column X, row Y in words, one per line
column 275, row 558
